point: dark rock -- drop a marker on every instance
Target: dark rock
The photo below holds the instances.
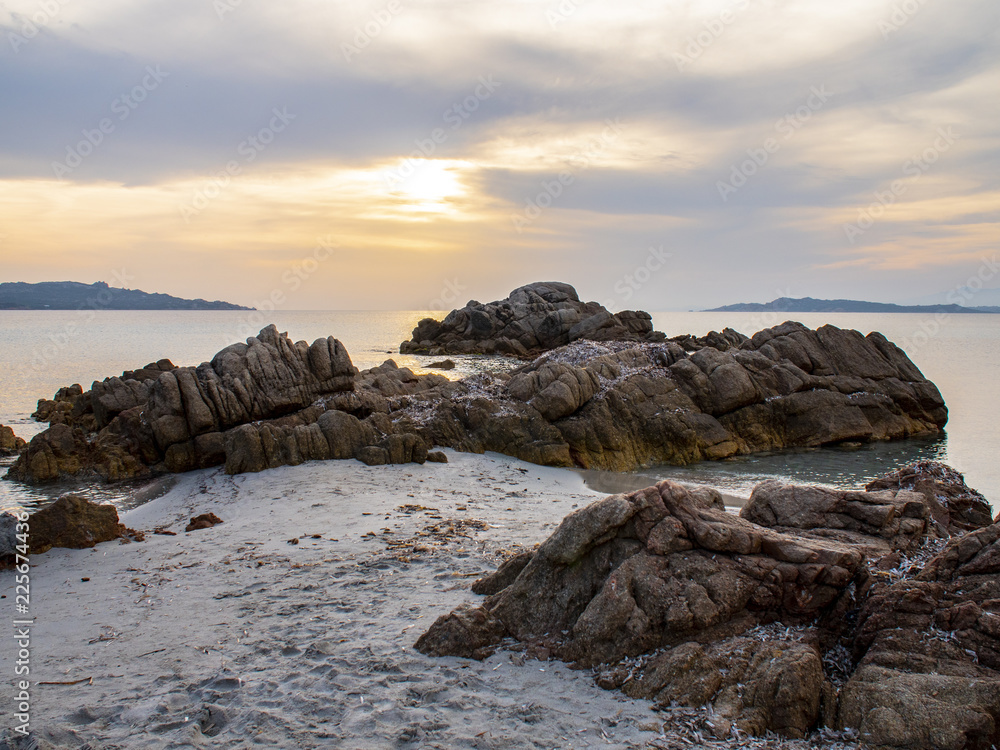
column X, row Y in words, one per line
column 679, row 602
column 534, row 318
column 445, row 364
column 898, row 519
column 503, row 576
column 596, row 404
column 953, row 504
column 929, row 651
column 204, row 521
column 10, row 444
column 73, row 522
column 437, row 457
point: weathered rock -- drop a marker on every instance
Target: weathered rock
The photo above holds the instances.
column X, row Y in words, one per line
column 8, row 538
column 534, row 318
column 74, row 522
column 164, row 418
column 673, row 597
column 755, row 685
column 953, row 504
column 657, row 568
column 611, row 405
column 10, row 444
column 929, row 650
column 899, row 517
column 445, row 364
column 204, row 521
column 619, row 405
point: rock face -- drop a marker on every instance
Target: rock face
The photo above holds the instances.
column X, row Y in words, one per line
column 619, row 405
column 10, row 444
column 929, row 651
column 673, row 599
column 612, row 405
column 953, row 503
column 73, row 522
column 534, row 318
column 164, row 418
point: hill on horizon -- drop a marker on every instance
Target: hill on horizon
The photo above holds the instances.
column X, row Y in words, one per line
column 811, row 305
column 75, row 295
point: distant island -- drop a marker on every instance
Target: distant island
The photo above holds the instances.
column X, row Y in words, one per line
column 810, row 305
column 72, row 295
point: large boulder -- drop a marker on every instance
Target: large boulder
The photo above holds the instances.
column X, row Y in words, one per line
column 955, row 505
column 167, row 418
column 533, row 318
column 618, row 405
column 74, row 522
column 614, row 404
column 673, row 599
column 929, row 651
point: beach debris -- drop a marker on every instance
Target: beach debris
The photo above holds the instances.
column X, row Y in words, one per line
column 203, row 521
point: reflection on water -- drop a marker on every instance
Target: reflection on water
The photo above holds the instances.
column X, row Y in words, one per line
column 123, row 495
column 838, row 467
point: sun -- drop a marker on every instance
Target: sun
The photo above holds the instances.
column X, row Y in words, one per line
column 428, row 185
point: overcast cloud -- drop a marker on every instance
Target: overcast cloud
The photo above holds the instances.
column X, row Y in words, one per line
column 770, row 148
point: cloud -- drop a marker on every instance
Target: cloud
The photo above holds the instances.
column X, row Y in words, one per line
column 392, row 142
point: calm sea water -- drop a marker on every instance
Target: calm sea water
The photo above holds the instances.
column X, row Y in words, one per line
column 45, row 350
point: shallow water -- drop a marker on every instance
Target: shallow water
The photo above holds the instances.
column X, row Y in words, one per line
column 41, row 351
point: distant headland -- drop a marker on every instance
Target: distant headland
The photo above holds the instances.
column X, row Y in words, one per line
column 73, row 295
column 810, row 305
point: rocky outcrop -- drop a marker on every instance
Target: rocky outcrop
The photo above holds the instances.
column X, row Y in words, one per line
column 671, row 598
column 163, row 418
column 10, row 444
column 953, row 504
column 929, row 651
column 73, row 522
column 611, row 405
column 533, row 318
column 619, row 405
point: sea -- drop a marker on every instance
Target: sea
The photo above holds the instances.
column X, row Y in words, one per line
column 41, row 351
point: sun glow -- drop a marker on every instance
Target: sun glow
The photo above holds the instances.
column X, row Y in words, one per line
column 427, row 186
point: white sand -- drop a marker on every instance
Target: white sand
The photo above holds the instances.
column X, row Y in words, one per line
column 231, row 637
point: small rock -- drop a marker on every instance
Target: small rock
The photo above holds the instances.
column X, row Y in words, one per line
column 444, row 364
column 204, row 521
column 437, row 457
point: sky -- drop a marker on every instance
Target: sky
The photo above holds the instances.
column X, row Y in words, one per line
column 416, row 154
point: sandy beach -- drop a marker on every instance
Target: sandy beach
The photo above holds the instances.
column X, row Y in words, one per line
column 232, row 636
